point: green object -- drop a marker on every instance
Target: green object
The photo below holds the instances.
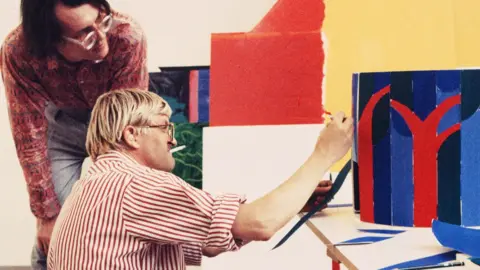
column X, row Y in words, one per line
column 188, row 162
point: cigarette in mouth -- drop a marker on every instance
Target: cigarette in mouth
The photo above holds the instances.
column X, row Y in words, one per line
column 177, row 149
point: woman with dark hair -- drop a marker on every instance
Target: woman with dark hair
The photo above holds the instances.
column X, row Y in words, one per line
column 54, row 65
column 45, row 30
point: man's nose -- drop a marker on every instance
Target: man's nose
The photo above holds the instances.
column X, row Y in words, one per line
column 174, row 142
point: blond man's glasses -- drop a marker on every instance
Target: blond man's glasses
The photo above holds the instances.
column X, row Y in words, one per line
column 170, row 128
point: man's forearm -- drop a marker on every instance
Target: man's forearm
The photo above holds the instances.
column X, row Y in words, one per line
column 263, row 217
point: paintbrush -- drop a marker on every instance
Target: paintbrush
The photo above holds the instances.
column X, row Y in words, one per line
column 435, row 266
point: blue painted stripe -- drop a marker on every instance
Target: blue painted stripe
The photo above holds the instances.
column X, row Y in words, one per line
column 203, row 95
column 381, row 175
column 401, row 173
column 371, row 239
column 448, row 156
column 470, row 148
column 424, row 93
column 448, row 85
column 382, row 79
column 383, row 231
column 470, row 173
column 381, row 155
column 401, row 153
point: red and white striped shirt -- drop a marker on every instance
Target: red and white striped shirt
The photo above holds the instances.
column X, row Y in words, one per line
column 123, row 215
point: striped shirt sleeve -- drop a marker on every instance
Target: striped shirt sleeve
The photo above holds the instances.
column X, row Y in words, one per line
column 166, row 209
column 193, row 253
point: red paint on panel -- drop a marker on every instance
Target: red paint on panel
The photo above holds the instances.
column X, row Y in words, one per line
column 193, row 98
column 445, row 134
column 272, row 75
column 266, row 79
column 293, row 16
column 365, row 156
column 426, row 144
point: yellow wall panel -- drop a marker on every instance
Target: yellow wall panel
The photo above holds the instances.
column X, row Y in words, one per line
column 386, row 35
column 467, row 32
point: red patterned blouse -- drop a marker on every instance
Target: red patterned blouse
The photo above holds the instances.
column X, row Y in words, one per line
column 30, row 83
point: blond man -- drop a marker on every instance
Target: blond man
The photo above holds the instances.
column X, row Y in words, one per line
column 130, row 212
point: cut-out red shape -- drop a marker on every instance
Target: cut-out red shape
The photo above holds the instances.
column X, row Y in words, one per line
column 426, row 144
column 293, row 16
column 272, row 75
column 266, row 79
column 365, row 156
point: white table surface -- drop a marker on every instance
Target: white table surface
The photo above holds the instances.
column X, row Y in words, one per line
column 334, row 225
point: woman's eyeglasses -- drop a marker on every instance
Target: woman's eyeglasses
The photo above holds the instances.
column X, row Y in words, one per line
column 88, row 40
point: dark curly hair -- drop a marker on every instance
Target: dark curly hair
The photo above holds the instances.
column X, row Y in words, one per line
column 41, row 28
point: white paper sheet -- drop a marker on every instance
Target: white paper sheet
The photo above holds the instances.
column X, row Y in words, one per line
column 252, row 160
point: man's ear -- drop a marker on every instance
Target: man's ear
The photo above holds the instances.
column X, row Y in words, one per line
column 129, row 136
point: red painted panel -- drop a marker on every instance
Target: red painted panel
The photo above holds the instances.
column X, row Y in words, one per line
column 293, row 16
column 266, row 79
column 365, row 156
column 193, row 103
column 425, row 147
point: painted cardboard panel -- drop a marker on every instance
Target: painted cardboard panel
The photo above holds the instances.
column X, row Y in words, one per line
column 470, row 148
column 448, row 157
column 273, row 74
column 381, row 152
column 266, row 79
column 419, row 165
column 401, row 151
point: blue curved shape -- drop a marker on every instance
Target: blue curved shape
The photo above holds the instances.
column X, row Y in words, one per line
column 383, row 231
column 342, row 175
column 462, row 239
column 431, row 260
column 371, row 239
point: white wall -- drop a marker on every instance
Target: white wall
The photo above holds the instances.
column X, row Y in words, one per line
column 178, row 34
column 179, row 31
column 17, row 223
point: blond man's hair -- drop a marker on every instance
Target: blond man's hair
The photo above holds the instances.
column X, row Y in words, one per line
column 114, row 111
